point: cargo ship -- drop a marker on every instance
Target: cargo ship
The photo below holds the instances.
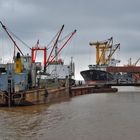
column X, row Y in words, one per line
column 25, row 81
column 98, row 74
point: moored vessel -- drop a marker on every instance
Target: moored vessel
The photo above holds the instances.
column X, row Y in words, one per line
column 98, row 74
column 21, row 80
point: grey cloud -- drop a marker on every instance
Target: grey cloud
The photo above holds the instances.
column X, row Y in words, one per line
column 93, row 19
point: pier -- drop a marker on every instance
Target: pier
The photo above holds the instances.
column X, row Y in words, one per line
column 123, row 84
column 81, row 90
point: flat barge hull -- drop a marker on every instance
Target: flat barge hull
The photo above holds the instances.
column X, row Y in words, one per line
column 34, row 96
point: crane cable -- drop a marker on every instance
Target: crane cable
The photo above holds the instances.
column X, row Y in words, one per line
column 59, row 41
column 52, row 40
column 20, row 40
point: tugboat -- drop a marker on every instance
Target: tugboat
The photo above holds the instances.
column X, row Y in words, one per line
column 97, row 74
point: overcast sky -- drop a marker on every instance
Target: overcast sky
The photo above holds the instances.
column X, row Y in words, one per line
column 94, row 20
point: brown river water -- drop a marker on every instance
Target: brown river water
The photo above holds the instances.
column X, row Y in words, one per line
column 105, row 116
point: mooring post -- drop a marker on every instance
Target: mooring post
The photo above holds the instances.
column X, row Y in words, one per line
column 9, row 98
column 70, row 84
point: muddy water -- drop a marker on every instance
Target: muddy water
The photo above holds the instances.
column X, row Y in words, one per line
column 106, row 116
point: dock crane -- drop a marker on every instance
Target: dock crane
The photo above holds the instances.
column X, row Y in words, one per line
column 44, row 49
column 101, row 48
column 63, row 45
column 55, row 44
column 49, row 60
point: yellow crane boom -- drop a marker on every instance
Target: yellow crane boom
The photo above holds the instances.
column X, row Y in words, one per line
column 112, row 52
column 101, row 48
column 136, row 62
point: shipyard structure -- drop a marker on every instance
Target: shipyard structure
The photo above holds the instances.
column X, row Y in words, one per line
column 106, row 70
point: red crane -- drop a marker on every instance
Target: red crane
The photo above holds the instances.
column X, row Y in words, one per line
column 62, row 46
column 37, row 48
column 46, row 61
column 55, row 44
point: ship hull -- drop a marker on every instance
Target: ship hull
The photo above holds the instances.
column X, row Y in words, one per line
column 96, row 77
